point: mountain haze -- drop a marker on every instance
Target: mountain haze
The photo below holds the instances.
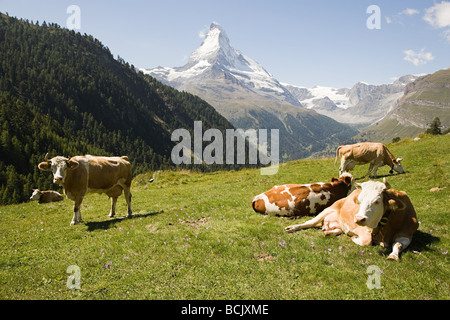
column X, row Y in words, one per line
column 423, row 100
column 247, row 95
column 361, row 105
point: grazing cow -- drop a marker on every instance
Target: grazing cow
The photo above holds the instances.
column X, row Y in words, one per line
column 375, row 214
column 82, row 174
column 377, row 154
column 301, row 200
column 46, row 196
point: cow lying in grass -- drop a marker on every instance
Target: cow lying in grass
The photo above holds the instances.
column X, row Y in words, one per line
column 46, row 196
column 302, row 199
column 374, row 214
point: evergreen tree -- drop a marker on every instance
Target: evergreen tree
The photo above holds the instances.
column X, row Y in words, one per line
column 435, row 127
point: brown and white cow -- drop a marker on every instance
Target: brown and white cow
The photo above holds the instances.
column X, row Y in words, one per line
column 377, row 154
column 374, row 214
column 302, row 199
column 83, row 174
column 46, row 196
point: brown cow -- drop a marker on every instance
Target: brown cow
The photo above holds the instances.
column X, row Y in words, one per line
column 83, row 174
column 301, row 200
column 377, row 154
column 375, row 214
column 46, row 196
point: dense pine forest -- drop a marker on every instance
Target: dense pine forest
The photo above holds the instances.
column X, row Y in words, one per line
column 64, row 93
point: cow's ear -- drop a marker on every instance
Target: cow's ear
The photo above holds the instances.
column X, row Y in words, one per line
column 334, row 179
column 394, row 203
column 72, row 164
column 45, row 166
column 348, row 180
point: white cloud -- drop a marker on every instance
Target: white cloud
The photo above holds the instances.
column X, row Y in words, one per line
column 438, row 15
column 446, row 35
column 398, row 17
column 409, row 12
column 418, row 58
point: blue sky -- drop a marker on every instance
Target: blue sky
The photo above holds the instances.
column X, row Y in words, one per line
column 306, row 43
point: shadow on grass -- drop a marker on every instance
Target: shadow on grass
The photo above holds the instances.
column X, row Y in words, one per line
column 381, row 176
column 422, row 241
column 106, row 224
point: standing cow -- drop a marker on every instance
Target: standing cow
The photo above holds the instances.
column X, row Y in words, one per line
column 46, row 196
column 377, row 154
column 83, row 174
column 302, row 199
column 374, row 214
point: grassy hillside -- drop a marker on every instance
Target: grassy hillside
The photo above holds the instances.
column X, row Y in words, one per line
column 195, row 236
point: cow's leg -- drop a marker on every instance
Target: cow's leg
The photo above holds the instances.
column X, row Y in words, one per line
column 375, row 172
column 369, row 171
column 315, row 222
column 113, row 207
column 363, row 237
column 127, row 193
column 399, row 245
column 331, row 225
column 76, row 211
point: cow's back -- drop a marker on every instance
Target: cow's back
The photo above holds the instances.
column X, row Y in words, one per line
column 106, row 172
column 367, row 151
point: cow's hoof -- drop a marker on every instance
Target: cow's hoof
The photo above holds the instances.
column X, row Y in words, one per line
column 393, row 256
column 289, row 229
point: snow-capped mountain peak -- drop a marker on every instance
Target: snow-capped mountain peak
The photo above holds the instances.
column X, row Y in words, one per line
column 217, row 58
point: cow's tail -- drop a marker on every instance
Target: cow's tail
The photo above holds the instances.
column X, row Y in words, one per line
column 337, row 155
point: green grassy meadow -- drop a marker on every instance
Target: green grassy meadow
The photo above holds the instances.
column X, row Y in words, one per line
column 195, row 236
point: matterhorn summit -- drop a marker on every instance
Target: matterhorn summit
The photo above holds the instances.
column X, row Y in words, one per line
column 216, row 59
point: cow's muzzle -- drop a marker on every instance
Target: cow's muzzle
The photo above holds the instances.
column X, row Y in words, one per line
column 58, row 180
column 360, row 220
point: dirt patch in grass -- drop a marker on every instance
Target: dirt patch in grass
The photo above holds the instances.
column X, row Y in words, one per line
column 265, row 257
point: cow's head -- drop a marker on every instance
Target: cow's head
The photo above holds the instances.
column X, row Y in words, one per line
column 397, row 166
column 373, row 200
column 348, row 180
column 36, row 195
column 59, row 166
